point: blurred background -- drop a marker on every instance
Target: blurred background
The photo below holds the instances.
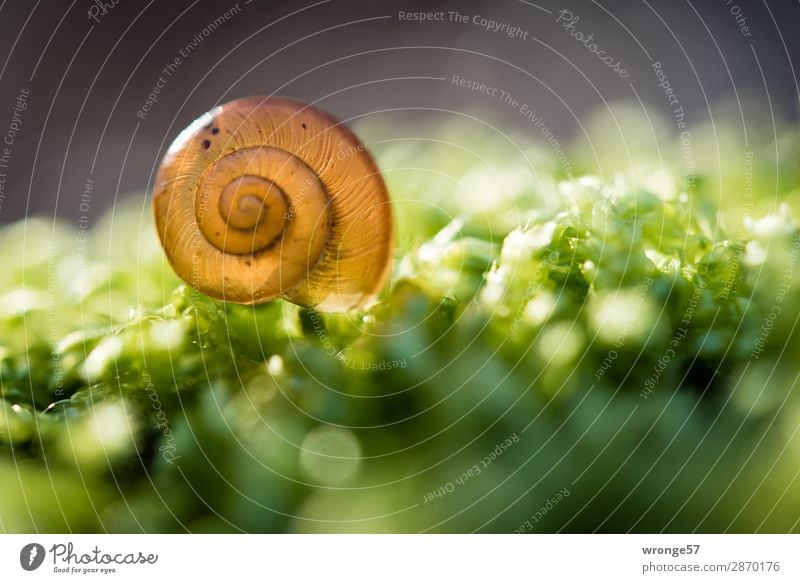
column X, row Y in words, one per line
column 504, row 370
column 86, row 70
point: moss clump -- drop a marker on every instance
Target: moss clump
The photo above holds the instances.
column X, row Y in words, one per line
column 613, row 341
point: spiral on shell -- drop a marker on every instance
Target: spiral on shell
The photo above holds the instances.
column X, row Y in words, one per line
column 269, row 197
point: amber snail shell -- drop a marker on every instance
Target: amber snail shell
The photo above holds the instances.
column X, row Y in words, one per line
column 268, row 197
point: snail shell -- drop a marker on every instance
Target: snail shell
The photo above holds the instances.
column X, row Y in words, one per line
column 268, row 197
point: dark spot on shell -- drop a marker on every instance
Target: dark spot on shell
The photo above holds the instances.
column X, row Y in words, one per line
column 247, row 263
column 215, row 131
column 304, row 126
column 206, row 144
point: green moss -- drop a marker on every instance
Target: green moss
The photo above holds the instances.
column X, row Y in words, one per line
column 639, row 354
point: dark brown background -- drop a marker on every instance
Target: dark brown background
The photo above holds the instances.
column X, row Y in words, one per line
column 87, row 80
